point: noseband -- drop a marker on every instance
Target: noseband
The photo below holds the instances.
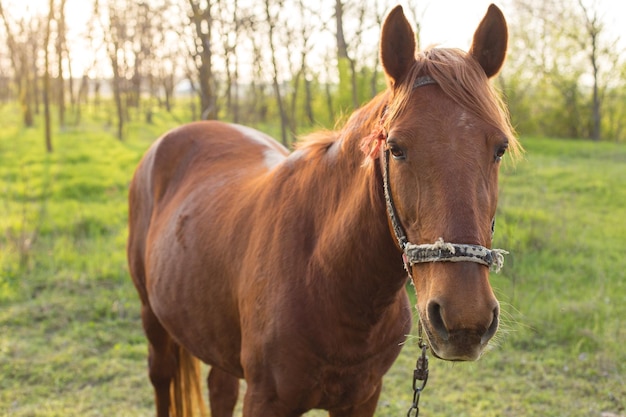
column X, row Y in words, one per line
column 439, row 251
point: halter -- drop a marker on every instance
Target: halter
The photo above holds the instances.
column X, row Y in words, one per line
column 439, row 251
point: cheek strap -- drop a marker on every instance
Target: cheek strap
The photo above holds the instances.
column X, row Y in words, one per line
column 439, row 251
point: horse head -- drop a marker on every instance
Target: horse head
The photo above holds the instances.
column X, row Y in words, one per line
column 444, row 133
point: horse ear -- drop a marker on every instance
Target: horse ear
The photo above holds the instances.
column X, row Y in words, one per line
column 490, row 41
column 397, row 46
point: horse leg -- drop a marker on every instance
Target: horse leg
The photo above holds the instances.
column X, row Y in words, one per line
column 223, row 392
column 162, row 361
column 365, row 409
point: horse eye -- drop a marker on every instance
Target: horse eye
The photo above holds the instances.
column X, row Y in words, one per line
column 500, row 152
column 396, row 151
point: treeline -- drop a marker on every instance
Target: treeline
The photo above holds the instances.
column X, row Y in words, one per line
column 566, row 73
column 290, row 62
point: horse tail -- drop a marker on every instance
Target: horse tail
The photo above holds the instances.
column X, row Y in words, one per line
column 186, row 388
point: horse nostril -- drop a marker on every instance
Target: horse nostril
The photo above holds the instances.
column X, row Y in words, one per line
column 493, row 327
column 436, row 320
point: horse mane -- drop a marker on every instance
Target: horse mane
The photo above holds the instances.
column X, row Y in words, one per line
column 320, row 139
column 364, row 124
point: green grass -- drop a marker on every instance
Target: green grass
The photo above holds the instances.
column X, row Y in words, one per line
column 71, row 341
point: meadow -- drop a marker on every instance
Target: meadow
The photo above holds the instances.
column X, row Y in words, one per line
column 71, row 341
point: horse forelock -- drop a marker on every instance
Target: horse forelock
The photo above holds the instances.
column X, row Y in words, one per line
column 462, row 78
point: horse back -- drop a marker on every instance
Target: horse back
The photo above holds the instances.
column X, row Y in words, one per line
column 187, row 199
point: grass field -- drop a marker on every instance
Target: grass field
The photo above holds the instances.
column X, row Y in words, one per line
column 71, row 341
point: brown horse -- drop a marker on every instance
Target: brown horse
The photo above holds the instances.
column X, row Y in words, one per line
column 286, row 269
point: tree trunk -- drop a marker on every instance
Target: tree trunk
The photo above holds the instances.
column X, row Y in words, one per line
column 70, row 80
column 355, row 97
column 203, row 23
column 342, row 47
column 235, row 87
column 595, row 134
column 295, row 89
column 168, row 90
column 329, row 102
column 308, row 101
column 60, row 46
column 342, row 55
column 596, row 106
column 33, row 85
column 594, row 29
column 46, row 81
column 26, row 93
column 117, row 92
column 276, row 85
column 81, row 98
column 21, row 69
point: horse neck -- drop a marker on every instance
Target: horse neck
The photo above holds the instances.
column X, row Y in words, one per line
column 355, row 252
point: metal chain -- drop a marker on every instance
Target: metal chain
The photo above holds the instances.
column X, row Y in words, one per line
column 420, row 376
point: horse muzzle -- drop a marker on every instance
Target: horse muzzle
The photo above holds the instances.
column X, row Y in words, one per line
column 460, row 342
column 458, row 310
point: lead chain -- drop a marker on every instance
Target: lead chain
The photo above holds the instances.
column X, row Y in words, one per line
column 420, row 376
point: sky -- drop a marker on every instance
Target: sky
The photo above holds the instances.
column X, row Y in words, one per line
column 451, row 23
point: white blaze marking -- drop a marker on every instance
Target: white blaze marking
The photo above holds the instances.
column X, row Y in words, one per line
column 465, row 121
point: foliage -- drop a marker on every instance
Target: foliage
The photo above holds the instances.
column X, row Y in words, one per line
column 559, row 52
column 329, row 103
column 70, row 335
column 222, row 54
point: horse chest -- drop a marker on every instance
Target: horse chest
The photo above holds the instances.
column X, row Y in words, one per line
column 342, row 387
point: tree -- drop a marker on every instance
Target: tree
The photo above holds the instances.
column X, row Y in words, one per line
column 233, row 21
column 22, row 44
column 271, row 22
column 257, row 105
column 116, row 55
column 46, row 79
column 593, row 28
column 165, row 57
column 58, row 14
column 202, row 20
column 343, row 58
column 560, row 71
column 297, row 40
